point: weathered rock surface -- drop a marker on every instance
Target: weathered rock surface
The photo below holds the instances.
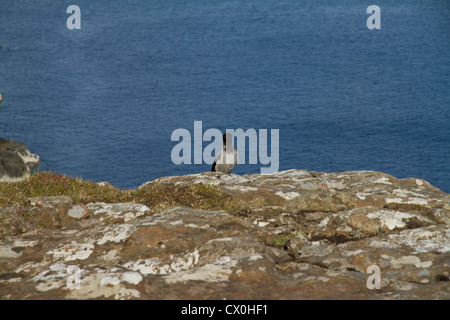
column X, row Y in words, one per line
column 304, row 235
column 15, row 161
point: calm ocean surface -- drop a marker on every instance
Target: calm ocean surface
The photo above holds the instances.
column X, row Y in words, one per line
column 102, row 102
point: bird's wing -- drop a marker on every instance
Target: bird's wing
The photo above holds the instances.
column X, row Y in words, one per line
column 219, row 158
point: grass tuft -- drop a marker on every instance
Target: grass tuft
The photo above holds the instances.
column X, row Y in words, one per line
column 16, row 217
column 155, row 196
column 45, row 184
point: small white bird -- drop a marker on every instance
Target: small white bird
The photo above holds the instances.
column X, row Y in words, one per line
column 227, row 158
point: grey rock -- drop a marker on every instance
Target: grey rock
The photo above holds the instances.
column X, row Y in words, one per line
column 122, row 212
column 15, row 161
column 78, row 212
column 309, row 236
column 12, row 167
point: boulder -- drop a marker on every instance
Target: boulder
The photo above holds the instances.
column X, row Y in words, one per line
column 41, row 212
column 15, row 161
column 303, row 235
column 12, row 167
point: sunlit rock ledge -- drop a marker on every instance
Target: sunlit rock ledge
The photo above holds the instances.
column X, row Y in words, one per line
column 294, row 234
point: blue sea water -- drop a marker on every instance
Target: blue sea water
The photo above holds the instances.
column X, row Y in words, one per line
column 102, row 102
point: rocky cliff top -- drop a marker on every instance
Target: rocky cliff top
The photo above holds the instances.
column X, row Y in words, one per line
column 290, row 235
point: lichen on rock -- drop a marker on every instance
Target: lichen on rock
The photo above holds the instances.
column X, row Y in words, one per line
column 294, row 234
column 15, row 160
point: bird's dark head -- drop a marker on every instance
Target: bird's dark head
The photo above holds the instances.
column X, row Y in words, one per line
column 227, row 139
